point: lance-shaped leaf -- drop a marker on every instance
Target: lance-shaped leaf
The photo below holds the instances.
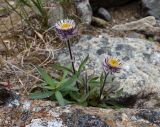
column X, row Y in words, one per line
column 47, row 78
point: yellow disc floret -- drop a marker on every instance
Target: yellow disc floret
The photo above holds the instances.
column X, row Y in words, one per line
column 113, row 62
column 65, row 26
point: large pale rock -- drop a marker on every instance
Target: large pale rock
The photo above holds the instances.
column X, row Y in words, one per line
column 146, row 25
column 46, row 114
column 140, row 60
column 141, row 24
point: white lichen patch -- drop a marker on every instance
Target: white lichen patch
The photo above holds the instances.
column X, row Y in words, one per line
column 26, row 105
column 56, row 112
column 14, row 103
column 46, row 123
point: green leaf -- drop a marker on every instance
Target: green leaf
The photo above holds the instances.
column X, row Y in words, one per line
column 68, row 102
column 60, row 67
column 25, row 2
column 75, row 96
column 48, row 87
column 43, row 84
column 119, row 92
column 40, row 95
column 101, row 79
column 48, row 79
column 94, row 81
column 84, row 97
column 59, row 98
column 115, row 105
column 94, row 78
column 110, row 78
column 103, row 105
column 81, row 66
column 68, row 83
column 66, row 73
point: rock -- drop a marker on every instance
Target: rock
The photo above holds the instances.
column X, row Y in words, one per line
column 151, row 116
column 140, row 60
column 6, row 96
column 151, row 7
column 158, row 23
column 146, row 25
column 99, row 22
column 84, row 10
column 157, row 38
column 109, row 3
column 47, row 114
column 139, row 25
column 135, row 35
column 104, row 14
column 55, row 14
column 45, row 123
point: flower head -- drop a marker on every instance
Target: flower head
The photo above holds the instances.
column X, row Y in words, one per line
column 111, row 65
column 66, row 29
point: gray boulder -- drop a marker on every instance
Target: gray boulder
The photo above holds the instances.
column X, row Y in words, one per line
column 84, row 10
column 104, row 14
column 152, row 7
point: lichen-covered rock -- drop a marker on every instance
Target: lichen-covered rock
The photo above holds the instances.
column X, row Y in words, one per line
column 47, row 114
column 140, row 60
